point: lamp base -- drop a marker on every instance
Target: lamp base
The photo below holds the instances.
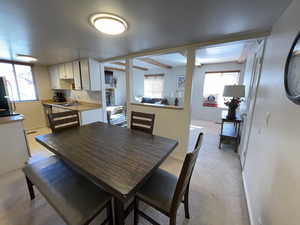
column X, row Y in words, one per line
column 232, row 106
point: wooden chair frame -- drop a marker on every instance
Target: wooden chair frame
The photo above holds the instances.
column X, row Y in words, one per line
column 72, row 117
column 181, row 191
column 150, row 118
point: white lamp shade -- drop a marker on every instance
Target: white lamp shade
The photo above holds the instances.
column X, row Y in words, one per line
column 234, row 91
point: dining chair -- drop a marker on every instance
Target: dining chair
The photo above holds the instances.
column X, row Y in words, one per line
column 77, row 200
column 142, row 121
column 164, row 191
column 63, row 120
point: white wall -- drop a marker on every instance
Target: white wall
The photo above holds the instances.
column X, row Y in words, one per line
column 199, row 112
column 84, row 96
column 170, row 123
column 272, row 168
column 120, row 90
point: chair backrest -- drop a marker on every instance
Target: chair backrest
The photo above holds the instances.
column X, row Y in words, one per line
column 63, row 120
column 186, row 174
column 142, row 121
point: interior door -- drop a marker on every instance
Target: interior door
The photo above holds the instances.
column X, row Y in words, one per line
column 248, row 116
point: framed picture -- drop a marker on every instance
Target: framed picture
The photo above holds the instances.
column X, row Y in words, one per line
column 180, row 82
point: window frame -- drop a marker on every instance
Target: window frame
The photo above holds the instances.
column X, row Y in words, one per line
column 13, row 63
column 221, row 72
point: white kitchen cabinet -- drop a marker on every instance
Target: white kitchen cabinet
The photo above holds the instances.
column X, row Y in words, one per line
column 91, row 116
column 56, row 82
column 62, row 71
column 69, row 71
column 77, row 76
column 14, row 151
column 90, row 74
column 85, row 76
column 54, row 77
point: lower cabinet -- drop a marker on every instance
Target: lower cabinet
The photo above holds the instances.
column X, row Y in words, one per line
column 14, row 151
column 91, row 116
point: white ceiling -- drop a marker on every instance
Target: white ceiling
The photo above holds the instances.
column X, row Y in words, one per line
column 218, row 54
column 58, row 30
column 229, row 52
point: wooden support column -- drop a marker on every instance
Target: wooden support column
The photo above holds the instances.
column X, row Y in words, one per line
column 129, row 86
column 103, row 94
column 190, row 66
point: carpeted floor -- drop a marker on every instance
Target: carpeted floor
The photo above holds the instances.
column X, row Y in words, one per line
column 216, row 192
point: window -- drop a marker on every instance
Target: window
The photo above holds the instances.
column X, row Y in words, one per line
column 214, row 83
column 20, row 81
column 154, row 85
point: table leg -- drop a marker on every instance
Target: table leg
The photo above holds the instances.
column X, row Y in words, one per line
column 220, row 141
column 119, row 212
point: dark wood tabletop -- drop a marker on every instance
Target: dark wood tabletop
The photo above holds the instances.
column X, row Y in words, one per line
column 117, row 158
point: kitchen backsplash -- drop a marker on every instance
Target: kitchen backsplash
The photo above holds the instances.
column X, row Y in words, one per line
column 84, row 96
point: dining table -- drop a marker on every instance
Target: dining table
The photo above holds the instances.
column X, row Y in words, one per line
column 118, row 159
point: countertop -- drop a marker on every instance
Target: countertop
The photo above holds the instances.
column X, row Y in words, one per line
column 11, row 119
column 158, row 105
column 82, row 106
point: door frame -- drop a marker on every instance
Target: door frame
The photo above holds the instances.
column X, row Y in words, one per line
column 251, row 101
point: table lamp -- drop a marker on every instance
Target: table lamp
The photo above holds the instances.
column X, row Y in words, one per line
column 236, row 92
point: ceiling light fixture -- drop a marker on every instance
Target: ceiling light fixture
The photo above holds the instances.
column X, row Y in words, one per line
column 108, row 23
column 26, row 58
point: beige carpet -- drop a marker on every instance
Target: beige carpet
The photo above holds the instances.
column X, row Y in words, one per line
column 216, row 194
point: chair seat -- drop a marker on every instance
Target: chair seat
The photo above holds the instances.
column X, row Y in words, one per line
column 74, row 197
column 159, row 190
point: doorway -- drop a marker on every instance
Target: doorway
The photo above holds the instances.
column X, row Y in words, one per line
column 218, row 66
column 254, row 70
column 115, row 92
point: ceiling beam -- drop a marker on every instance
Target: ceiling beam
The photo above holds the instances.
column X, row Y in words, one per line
column 196, row 45
column 155, row 62
column 134, row 66
column 114, row 68
column 220, row 62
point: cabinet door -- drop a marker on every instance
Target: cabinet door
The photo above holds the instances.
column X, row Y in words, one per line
column 54, row 77
column 62, row 71
column 95, row 76
column 85, row 74
column 69, row 70
column 77, row 76
column 91, row 116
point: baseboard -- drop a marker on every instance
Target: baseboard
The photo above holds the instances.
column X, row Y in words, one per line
column 250, row 211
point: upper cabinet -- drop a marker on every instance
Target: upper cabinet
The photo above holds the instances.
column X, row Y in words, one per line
column 77, row 76
column 56, row 82
column 62, row 71
column 66, row 70
column 90, row 74
column 69, row 70
column 54, row 77
column 83, row 74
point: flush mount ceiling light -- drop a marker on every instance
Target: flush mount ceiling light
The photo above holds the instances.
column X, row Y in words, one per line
column 108, row 23
column 26, row 58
